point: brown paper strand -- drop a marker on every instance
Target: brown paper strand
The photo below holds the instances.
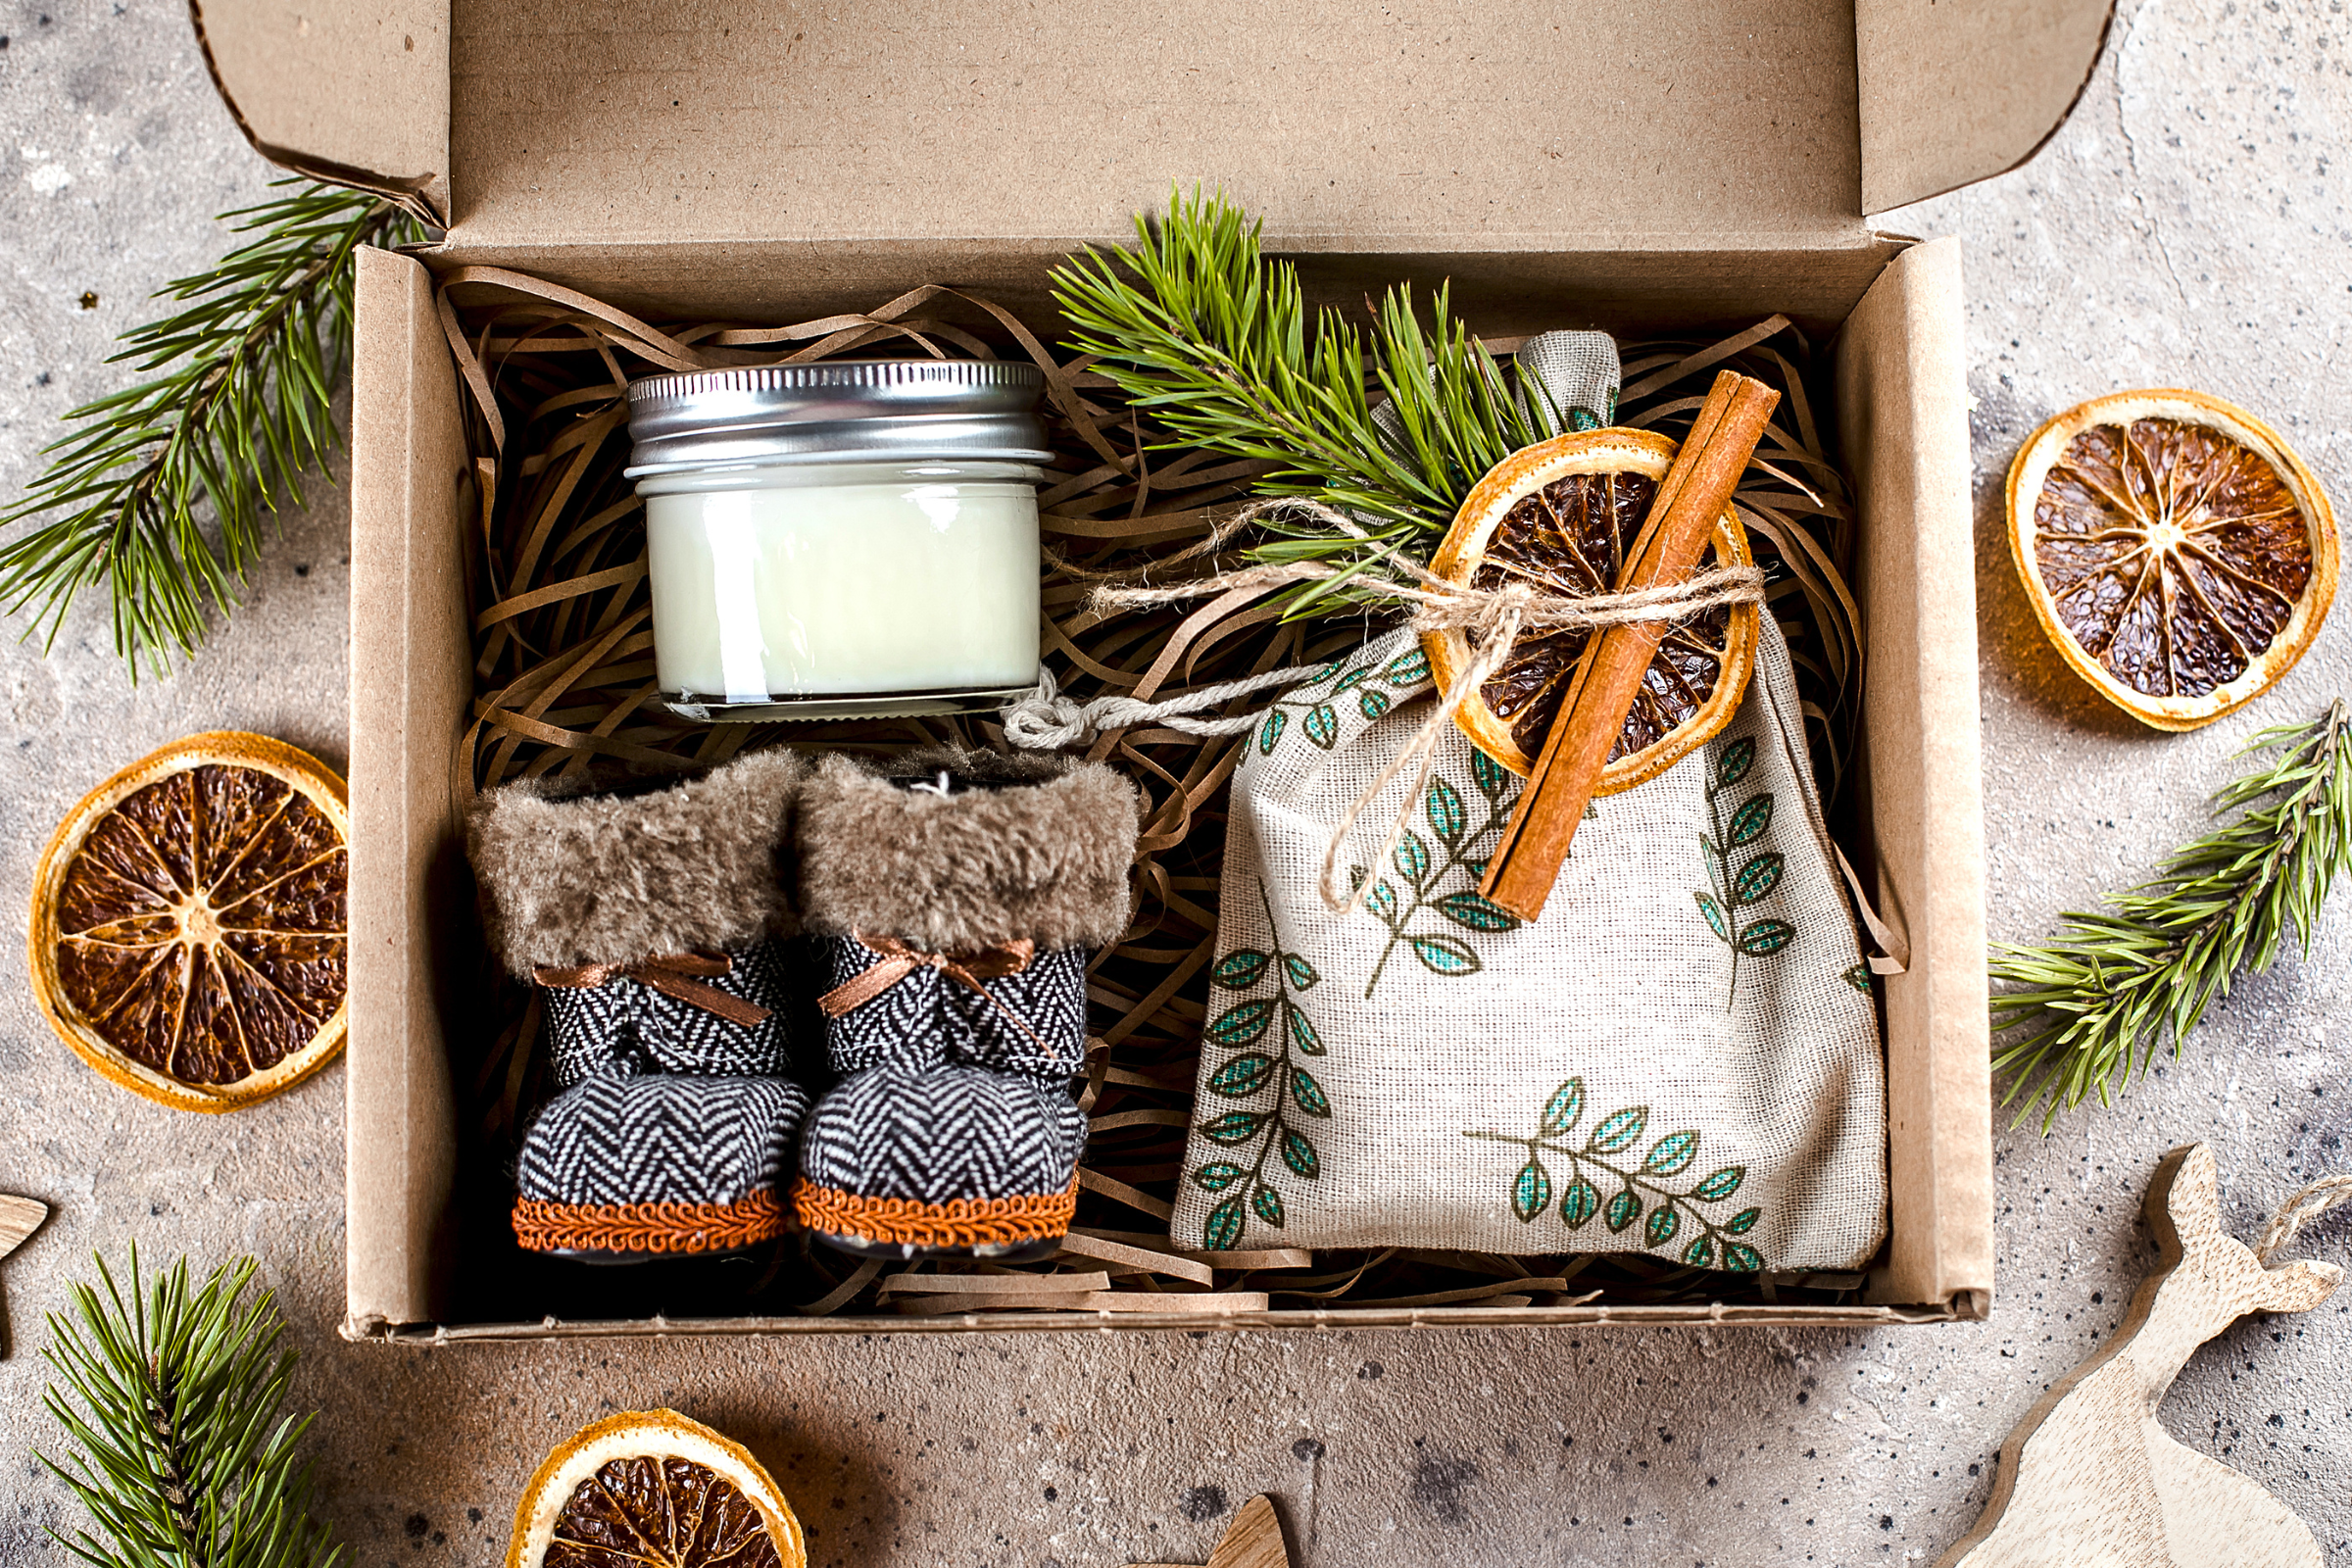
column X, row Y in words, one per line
column 995, row 1284
column 564, row 683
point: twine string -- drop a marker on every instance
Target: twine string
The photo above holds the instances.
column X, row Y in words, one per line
column 1421, row 752
column 1045, row 720
column 1493, row 617
column 2315, row 1199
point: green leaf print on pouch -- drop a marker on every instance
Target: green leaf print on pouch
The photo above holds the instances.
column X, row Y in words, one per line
column 1262, row 1032
column 1452, row 849
column 1238, row 970
column 1739, row 881
column 1238, row 1026
column 1243, row 1075
column 1637, row 1191
column 1316, row 700
column 1446, row 811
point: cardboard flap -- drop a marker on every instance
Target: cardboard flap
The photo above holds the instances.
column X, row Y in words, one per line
column 1954, row 91
column 412, row 661
column 1902, row 406
column 354, row 92
column 1413, row 126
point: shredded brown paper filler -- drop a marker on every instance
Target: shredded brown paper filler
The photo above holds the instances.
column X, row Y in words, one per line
column 564, row 684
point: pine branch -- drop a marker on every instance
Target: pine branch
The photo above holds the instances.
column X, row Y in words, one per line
column 1216, row 343
column 240, row 413
column 2116, row 983
column 171, row 1399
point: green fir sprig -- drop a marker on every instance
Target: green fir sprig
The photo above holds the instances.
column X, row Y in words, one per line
column 238, row 412
column 2143, row 969
column 1218, row 346
column 171, row 1399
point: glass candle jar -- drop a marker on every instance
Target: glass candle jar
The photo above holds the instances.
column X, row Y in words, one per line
column 851, row 538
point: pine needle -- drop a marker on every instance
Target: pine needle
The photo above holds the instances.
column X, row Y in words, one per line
column 1196, row 327
column 2143, row 969
column 240, row 412
column 171, row 1399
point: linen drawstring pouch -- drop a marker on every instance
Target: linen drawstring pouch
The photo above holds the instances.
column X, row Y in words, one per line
column 1679, row 1057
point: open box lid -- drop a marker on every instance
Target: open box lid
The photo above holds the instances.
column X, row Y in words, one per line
column 1424, row 125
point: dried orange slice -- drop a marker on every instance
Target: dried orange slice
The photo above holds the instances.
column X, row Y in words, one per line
column 2178, row 552
column 653, row 1489
column 1561, row 515
column 188, row 934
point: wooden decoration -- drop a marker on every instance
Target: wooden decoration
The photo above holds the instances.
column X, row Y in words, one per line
column 2090, row 1476
column 19, row 1217
column 1253, row 1541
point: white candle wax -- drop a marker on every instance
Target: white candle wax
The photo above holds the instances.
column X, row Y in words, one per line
column 837, row 580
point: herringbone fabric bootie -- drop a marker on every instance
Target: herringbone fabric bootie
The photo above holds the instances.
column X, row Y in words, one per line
column 654, row 925
column 955, row 899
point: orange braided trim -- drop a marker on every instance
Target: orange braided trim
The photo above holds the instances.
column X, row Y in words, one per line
column 962, row 1222
column 546, row 1226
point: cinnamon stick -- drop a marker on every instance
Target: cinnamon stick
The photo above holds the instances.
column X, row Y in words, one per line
column 1602, row 691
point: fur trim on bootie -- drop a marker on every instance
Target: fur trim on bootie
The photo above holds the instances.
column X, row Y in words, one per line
column 1019, row 847
column 579, row 879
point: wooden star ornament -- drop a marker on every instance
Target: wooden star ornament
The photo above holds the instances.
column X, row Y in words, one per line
column 1253, row 1541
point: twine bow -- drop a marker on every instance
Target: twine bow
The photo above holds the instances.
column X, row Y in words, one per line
column 1492, row 619
column 970, row 970
column 677, row 974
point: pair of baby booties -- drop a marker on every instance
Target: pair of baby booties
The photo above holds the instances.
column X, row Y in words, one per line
column 938, row 910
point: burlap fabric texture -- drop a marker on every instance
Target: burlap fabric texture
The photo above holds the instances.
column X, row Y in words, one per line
column 1680, row 1057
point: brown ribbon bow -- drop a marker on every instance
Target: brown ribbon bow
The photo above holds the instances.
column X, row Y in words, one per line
column 677, row 974
column 970, row 969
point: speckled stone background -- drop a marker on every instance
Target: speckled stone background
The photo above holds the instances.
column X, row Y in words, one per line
column 2189, row 226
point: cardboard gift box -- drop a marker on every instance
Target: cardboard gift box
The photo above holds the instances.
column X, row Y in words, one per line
column 1637, row 166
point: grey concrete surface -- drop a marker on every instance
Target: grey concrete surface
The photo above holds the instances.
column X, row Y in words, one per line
column 2189, row 225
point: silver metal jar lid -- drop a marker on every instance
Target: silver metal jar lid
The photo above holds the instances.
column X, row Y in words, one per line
column 834, row 410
